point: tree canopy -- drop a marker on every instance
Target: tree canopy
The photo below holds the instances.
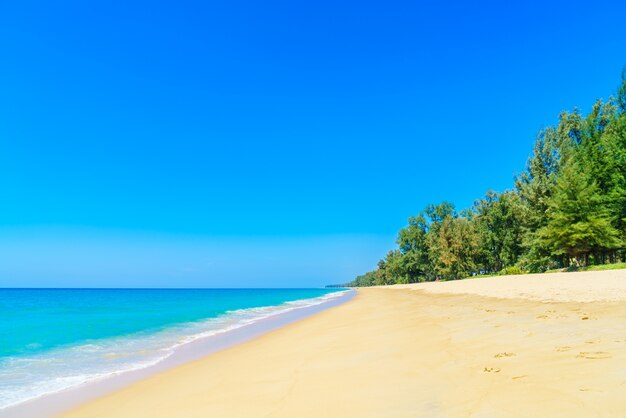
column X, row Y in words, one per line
column 567, row 208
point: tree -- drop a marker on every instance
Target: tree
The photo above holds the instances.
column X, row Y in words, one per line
column 578, row 223
column 613, row 168
column 536, row 186
column 381, row 277
column 497, row 220
column 568, row 205
column 412, row 244
column 364, row 280
column 621, row 93
column 454, row 246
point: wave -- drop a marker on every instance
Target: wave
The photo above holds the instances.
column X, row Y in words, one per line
column 29, row 377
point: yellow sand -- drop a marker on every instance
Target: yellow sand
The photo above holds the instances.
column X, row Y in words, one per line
column 416, row 352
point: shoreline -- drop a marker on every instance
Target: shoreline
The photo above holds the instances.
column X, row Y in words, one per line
column 406, row 352
column 53, row 404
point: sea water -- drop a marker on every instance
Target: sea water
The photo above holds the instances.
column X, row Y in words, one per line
column 54, row 339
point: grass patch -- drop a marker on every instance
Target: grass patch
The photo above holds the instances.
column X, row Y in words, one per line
column 599, row 267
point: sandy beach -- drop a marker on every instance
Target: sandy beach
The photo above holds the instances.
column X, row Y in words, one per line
column 519, row 346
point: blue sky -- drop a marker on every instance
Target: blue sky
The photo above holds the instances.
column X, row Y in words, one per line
column 268, row 143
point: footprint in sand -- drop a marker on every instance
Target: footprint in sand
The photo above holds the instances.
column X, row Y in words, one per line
column 594, row 355
column 504, row 354
column 492, row 369
column 547, row 314
column 589, row 390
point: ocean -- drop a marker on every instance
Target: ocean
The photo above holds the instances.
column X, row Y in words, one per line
column 54, row 339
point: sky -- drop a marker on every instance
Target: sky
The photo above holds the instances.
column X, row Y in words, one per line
column 268, row 143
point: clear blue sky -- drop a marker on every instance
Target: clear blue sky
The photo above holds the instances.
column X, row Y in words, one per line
column 263, row 143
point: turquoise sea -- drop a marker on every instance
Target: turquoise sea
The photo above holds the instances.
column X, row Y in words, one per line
column 53, row 339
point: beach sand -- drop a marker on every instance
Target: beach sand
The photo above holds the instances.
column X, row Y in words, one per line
column 520, row 346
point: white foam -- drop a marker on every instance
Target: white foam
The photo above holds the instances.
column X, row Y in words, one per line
column 26, row 378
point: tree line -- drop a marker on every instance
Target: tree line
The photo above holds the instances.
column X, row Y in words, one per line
column 567, row 208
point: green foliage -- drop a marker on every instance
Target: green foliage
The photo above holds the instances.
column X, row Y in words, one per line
column 578, row 221
column 512, row 270
column 615, row 266
column 568, row 208
column 621, row 93
column 498, row 221
column 367, row 279
column 454, row 247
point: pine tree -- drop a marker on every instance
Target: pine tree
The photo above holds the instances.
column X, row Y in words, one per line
column 621, row 93
column 578, row 223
